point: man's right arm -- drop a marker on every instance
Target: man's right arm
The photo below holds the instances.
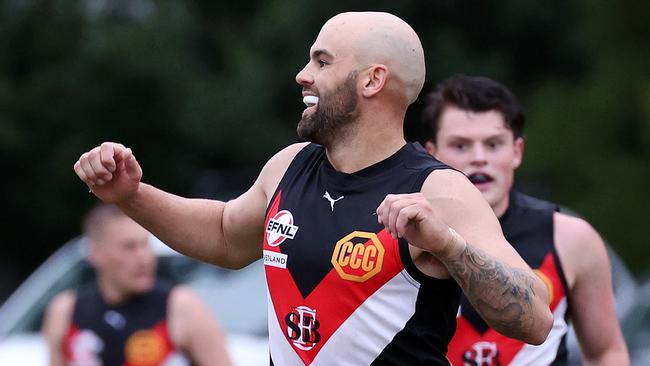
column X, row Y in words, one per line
column 228, row 234
column 194, row 329
column 55, row 324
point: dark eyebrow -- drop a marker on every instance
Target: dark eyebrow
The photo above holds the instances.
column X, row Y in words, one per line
column 497, row 136
column 321, row 52
column 456, row 138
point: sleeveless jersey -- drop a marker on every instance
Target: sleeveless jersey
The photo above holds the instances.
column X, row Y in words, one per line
column 528, row 226
column 131, row 334
column 341, row 290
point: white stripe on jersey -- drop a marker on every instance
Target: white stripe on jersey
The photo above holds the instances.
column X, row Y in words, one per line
column 386, row 312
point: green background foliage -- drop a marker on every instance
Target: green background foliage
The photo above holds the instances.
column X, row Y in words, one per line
column 204, row 93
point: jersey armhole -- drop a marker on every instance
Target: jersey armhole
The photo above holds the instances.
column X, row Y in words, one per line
column 412, row 269
column 405, row 254
column 560, row 267
column 306, row 153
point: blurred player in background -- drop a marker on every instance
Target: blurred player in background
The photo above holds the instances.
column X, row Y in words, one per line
column 127, row 317
column 476, row 126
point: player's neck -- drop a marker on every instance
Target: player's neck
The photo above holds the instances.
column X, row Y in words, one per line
column 369, row 146
column 111, row 294
column 501, row 207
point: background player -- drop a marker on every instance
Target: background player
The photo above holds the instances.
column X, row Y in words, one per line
column 127, row 317
column 477, row 127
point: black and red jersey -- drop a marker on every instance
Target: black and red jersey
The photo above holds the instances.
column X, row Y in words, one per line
column 133, row 333
column 342, row 291
column 528, row 226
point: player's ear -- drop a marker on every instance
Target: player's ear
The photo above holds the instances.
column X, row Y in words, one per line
column 518, row 152
column 374, row 79
column 93, row 256
column 430, row 147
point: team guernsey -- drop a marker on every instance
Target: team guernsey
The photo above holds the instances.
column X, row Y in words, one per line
column 528, row 226
column 341, row 290
column 130, row 334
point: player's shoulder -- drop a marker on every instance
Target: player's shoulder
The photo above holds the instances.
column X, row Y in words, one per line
column 183, row 298
column 278, row 164
column 181, row 292
column 575, row 230
column 290, row 152
column 63, row 303
column 574, row 237
column 281, row 160
column 447, row 183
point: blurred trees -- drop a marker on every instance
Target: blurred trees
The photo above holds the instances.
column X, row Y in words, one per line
column 197, row 86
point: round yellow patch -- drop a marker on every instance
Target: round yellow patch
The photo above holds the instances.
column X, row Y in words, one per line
column 144, row 348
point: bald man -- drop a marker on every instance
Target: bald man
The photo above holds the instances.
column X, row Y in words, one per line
column 367, row 240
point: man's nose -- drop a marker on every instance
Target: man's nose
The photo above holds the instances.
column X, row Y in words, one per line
column 145, row 254
column 303, row 77
column 478, row 156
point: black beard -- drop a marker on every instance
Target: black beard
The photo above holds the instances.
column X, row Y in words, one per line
column 335, row 113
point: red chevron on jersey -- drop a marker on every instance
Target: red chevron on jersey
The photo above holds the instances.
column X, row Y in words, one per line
column 271, row 241
column 82, row 346
column 341, row 291
column 310, row 322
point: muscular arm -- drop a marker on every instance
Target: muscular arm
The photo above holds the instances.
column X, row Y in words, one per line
column 498, row 283
column 502, row 288
column 197, row 227
column 55, row 324
column 228, row 234
column 194, row 329
column 507, row 297
column 591, row 291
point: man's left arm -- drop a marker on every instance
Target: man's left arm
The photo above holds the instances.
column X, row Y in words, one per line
column 451, row 220
column 592, row 299
column 194, row 329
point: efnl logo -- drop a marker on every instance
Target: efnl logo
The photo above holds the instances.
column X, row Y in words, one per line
column 280, row 228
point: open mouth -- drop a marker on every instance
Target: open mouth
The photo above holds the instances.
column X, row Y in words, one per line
column 480, row 178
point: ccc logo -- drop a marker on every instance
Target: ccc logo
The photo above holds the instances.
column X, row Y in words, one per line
column 358, row 256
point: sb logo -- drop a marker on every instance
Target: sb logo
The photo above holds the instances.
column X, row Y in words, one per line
column 482, row 354
column 358, row 256
column 302, row 328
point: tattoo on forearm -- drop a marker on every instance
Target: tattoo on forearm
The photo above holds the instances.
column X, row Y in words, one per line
column 501, row 294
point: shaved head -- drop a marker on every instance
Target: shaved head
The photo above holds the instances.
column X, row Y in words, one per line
column 383, row 38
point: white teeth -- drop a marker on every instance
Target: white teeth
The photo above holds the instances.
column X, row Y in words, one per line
column 310, row 100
